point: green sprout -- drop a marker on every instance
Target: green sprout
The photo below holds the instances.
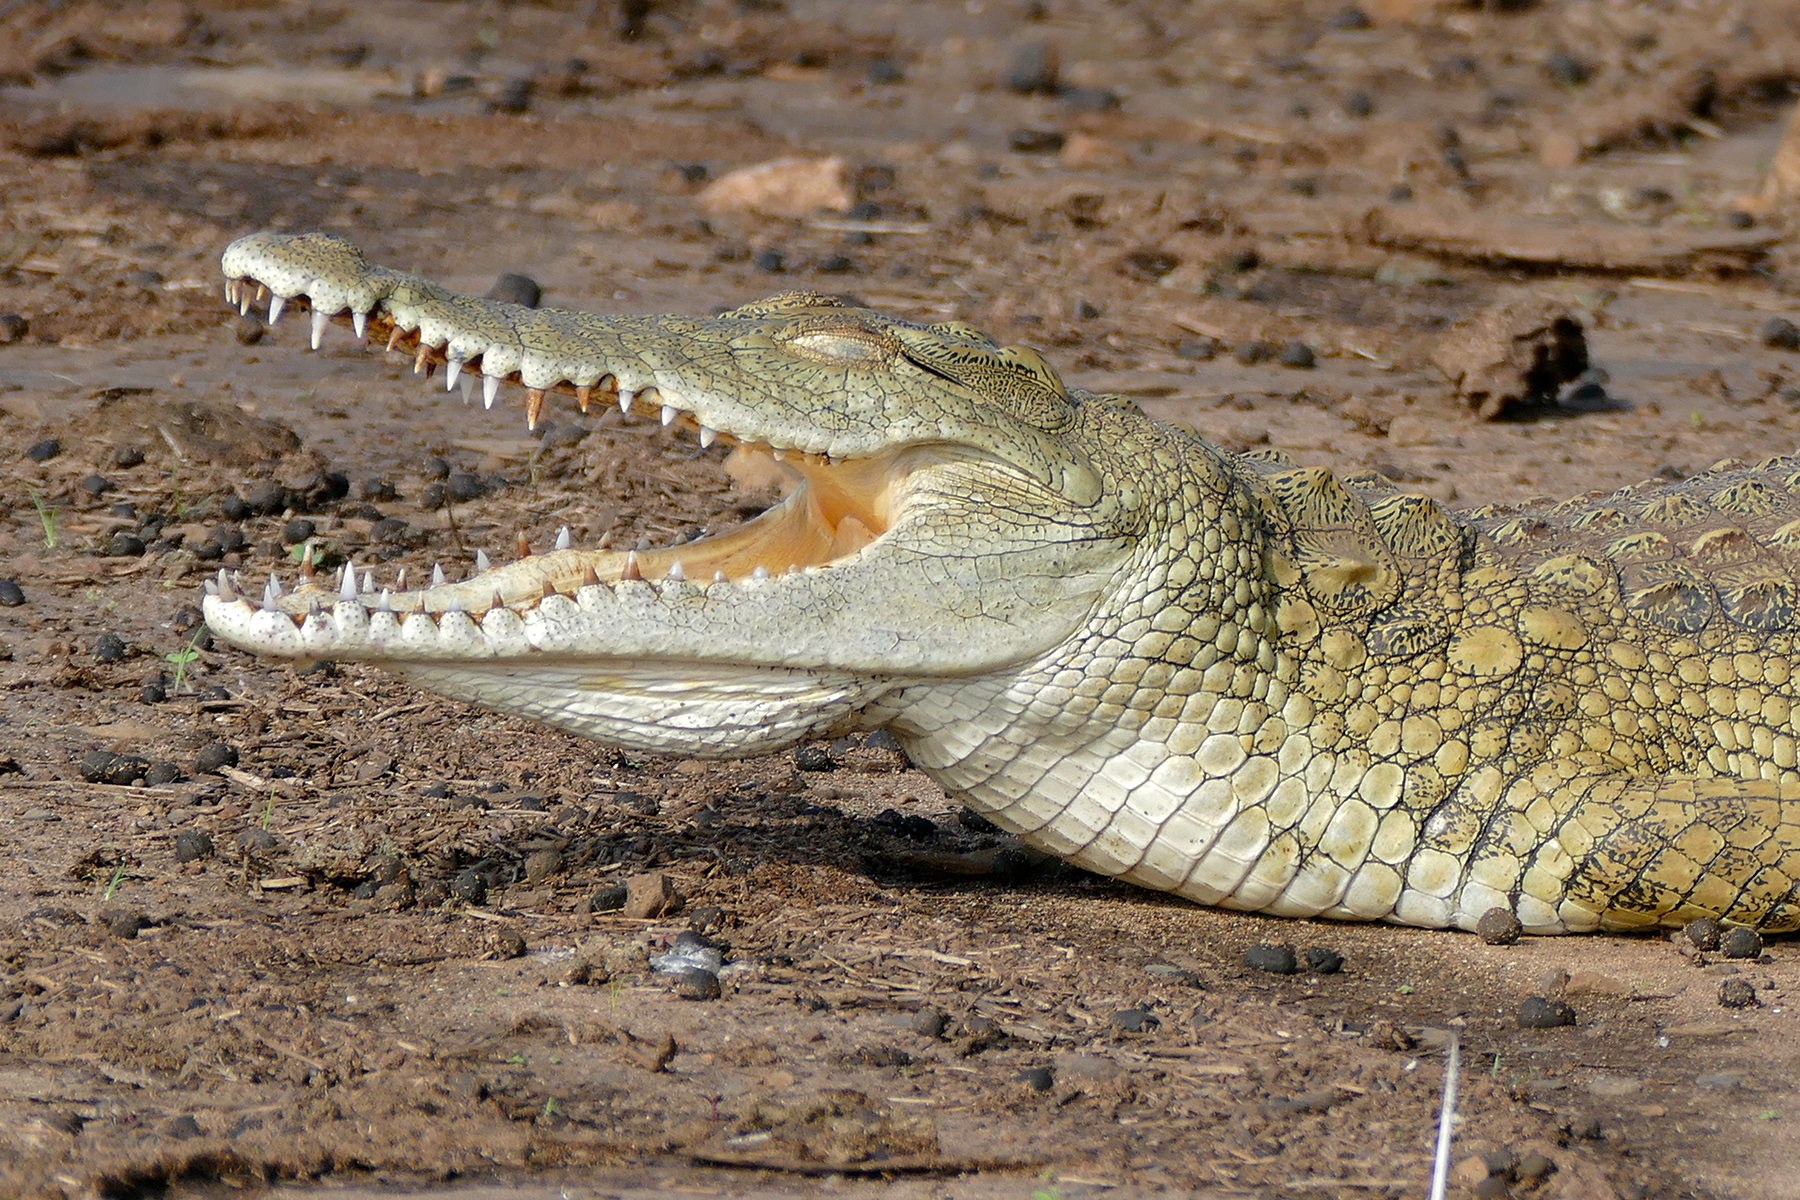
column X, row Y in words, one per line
column 268, row 817
column 182, row 657
column 46, row 517
column 113, row 886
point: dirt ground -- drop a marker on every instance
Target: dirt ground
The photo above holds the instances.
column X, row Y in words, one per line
column 348, row 938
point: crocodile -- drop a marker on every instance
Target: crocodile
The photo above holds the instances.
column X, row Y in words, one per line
column 1244, row 681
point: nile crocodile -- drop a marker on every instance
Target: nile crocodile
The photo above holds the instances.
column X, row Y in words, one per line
column 1247, row 682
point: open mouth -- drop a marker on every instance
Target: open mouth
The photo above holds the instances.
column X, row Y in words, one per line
column 832, row 510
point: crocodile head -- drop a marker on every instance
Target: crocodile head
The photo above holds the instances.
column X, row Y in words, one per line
column 952, row 511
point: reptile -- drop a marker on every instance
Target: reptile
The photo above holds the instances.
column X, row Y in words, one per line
column 1248, row 682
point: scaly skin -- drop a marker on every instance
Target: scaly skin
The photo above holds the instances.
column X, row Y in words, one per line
column 1246, row 682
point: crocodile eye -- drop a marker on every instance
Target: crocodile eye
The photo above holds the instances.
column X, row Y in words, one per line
column 840, row 346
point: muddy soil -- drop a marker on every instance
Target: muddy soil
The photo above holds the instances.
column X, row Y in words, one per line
column 328, row 935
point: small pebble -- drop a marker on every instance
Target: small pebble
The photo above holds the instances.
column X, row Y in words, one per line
column 213, row 756
column 125, row 545
column 1740, row 941
column 1349, row 17
column 1358, row 104
column 1199, row 348
column 162, row 773
column 125, row 924
column 1134, row 1020
column 1780, row 333
column 1170, row 973
column 1038, row 1079
column 44, row 450
column 928, row 1022
column 96, row 485
column 1298, row 355
column 881, row 739
column 268, row 498
column 11, row 594
column 1086, row 310
column 1322, row 960
column 1586, row 1128
column 1566, row 69
column 770, row 262
column 13, row 328
column 110, row 648
column 119, row 770
column 1499, row 927
column 153, row 693
column 1251, row 353
column 814, row 758
column 191, row 845
column 1035, row 141
column 1540, row 1012
column 696, row 984
column 652, row 894
column 1033, row 70
column 470, row 886
column 464, row 486
column 1703, row 932
column 1532, row 1166
column 514, row 96
column 884, row 71
column 1737, row 993
column 541, row 865
column 217, row 691
column 1275, row 960
column 389, row 530
column 234, row 508
column 249, row 330
column 297, row 531
column 252, row 841
column 1737, row 218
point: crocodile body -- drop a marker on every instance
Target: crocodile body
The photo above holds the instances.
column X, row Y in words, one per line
column 1247, row 682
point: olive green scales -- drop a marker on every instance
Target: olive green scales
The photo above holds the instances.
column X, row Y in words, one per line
column 1247, row 682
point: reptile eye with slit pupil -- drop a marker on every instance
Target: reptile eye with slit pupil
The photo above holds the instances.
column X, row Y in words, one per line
column 846, row 347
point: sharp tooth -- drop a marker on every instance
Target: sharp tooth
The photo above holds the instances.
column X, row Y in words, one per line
column 468, row 387
column 719, row 577
column 359, row 325
column 677, row 571
column 437, row 575
column 669, row 413
column 778, row 454
column 400, row 580
column 496, row 602
column 209, row 586
column 631, row 570
column 393, row 338
column 534, row 406
column 490, row 390
column 386, row 602
column 523, row 547
column 582, row 396
column 549, row 589
column 271, row 590
column 347, row 589
column 319, row 320
column 707, row 435
column 368, row 583
column 226, row 591
column 261, row 291
column 455, row 605
column 590, row 578
column 422, row 359
column 481, row 560
column 243, row 302
column 276, row 304
column 761, row 572
column 625, row 399
column 564, row 539
column 452, row 368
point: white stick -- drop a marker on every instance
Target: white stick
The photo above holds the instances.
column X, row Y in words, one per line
column 1440, row 1168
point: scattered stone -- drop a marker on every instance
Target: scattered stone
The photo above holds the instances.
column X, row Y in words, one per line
column 124, row 545
column 1322, row 960
column 43, row 450
column 1317, row 1100
column 1349, row 17
column 390, row 530
column 507, row 944
column 162, row 773
column 884, row 71
column 40, row 814
column 1135, row 1020
column 1088, row 99
column 125, row 923
column 1036, row 141
column 433, row 892
column 1541, row 1012
column 192, row 845
column 1298, row 355
column 470, row 886
column 1358, row 104
column 770, row 262
column 257, row 841
column 783, row 187
column 1180, row 976
column 1276, row 960
column 1565, row 69
column 1038, row 1079
column 183, row 1127
column 609, row 899
column 1201, row 349
column 1520, row 351
column 11, row 594
column 1034, row 70
column 119, row 770
column 541, row 865
column 249, row 330
column 464, row 486
column 652, row 895
column 214, row 755
column 1740, row 941
column 1737, row 218
column 268, row 498
column 1252, row 352
column 1586, row 1128
column 1086, row 310
column 234, row 508
column 694, row 983
column 96, row 485
column 1703, row 932
column 297, row 531
column 1737, row 993
column 13, row 328
column 1499, row 927
column 1779, row 333
column 814, row 758
column 514, row 97
column 928, row 1022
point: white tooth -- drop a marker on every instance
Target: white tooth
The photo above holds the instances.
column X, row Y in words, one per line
column 368, row 583
column 210, row 586
column 625, row 399
column 318, row 327
column 243, row 302
column 677, row 571
column 761, row 572
column 706, row 436
column 455, row 605
column 452, row 368
column 359, row 323
column 275, row 305
column 490, row 391
column 437, row 575
column 273, row 587
column 347, row 589
column 564, row 539
column 719, row 577
column 386, row 602
column 669, row 413
column 481, row 560
column 468, row 387
column 778, row 454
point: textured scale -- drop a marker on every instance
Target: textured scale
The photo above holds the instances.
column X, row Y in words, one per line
column 1234, row 678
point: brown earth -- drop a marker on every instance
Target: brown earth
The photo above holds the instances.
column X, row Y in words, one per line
column 322, row 992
